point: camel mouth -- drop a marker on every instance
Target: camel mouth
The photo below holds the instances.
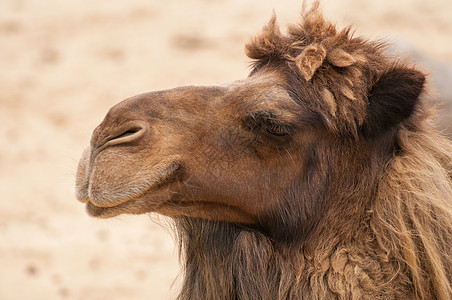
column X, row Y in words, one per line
column 107, row 212
column 131, row 200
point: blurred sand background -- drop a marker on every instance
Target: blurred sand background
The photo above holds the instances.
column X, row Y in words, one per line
column 65, row 62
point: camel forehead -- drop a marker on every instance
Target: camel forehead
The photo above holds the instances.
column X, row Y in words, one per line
column 257, row 91
column 261, row 97
column 264, row 91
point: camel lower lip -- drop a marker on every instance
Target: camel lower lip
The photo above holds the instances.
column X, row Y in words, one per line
column 95, row 211
column 104, row 212
column 164, row 177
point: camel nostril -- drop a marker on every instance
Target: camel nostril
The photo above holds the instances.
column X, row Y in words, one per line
column 124, row 134
column 105, row 135
column 127, row 133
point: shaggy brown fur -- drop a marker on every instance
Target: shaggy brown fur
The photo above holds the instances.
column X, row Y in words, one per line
column 318, row 177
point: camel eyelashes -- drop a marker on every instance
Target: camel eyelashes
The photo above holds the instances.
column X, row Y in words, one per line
column 278, row 129
column 268, row 122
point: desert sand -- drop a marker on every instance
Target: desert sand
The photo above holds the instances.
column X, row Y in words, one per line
column 64, row 63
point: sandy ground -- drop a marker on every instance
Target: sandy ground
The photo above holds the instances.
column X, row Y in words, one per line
column 64, row 63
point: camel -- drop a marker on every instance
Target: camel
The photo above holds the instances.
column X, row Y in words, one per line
column 319, row 176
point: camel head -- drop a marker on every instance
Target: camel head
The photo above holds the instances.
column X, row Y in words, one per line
column 195, row 151
column 279, row 150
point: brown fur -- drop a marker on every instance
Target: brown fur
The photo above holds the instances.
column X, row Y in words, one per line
column 320, row 176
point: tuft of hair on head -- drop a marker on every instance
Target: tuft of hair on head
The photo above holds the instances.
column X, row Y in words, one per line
column 268, row 42
column 314, row 27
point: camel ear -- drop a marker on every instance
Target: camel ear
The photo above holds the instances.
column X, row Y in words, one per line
column 340, row 58
column 393, row 99
column 310, row 60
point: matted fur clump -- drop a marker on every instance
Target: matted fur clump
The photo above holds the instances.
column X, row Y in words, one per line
column 320, row 176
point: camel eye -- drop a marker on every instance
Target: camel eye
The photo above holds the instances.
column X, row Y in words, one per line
column 277, row 129
column 266, row 122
